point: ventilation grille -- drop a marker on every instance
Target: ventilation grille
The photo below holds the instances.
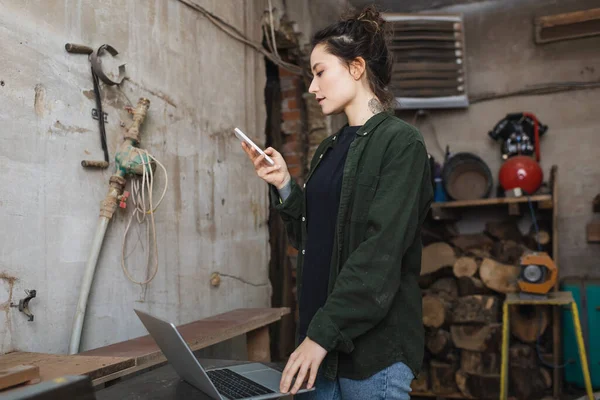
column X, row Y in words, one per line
column 429, row 61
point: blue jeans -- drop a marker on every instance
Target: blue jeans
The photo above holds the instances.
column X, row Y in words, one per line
column 392, row 383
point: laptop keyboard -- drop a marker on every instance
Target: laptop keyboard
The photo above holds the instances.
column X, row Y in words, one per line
column 234, row 385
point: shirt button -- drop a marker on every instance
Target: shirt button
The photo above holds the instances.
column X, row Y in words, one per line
column 303, row 251
column 304, row 185
column 334, row 137
column 303, row 219
column 321, row 156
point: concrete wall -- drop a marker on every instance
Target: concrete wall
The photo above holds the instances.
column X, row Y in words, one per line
column 502, row 57
column 312, row 15
column 201, row 84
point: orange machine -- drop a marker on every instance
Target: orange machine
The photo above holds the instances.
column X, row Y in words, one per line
column 538, row 274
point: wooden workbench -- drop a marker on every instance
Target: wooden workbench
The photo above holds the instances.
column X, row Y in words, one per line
column 125, row 358
column 254, row 322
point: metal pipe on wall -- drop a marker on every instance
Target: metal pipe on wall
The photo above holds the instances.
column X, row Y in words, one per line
column 128, row 162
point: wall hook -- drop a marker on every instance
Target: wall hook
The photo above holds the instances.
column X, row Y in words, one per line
column 23, row 305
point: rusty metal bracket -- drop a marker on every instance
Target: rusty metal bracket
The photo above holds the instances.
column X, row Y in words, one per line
column 96, row 116
column 97, row 65
column 74, row 48
column 23, row 305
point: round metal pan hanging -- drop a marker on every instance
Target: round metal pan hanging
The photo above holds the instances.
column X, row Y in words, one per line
column 467, row 177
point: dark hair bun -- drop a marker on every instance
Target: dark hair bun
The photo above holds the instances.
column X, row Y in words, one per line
column 369, row 16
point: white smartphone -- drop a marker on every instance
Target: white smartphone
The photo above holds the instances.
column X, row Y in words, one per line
column 242, row 136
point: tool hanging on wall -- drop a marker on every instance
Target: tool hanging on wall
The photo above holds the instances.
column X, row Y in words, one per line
column 98, row 74
column 520, row 135
column 23, row 304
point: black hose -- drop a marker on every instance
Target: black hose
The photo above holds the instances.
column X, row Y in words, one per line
column 100, row 115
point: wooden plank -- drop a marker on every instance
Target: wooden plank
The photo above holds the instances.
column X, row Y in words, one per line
column 56, row 365
column 17, row 375
column 553, row 299
column 259, row 345
column 490, row 201
column 568, row 18
column 572, row 25
column 556, row 332
column 198, row 334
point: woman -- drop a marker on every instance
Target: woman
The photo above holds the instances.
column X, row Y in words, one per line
column 356, row 223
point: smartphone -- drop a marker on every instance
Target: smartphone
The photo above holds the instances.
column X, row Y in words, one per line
column 242, row 136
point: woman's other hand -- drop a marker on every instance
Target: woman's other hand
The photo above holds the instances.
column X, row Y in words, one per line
column 303, row 363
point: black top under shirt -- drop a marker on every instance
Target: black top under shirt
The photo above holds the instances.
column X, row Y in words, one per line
column 323, row 192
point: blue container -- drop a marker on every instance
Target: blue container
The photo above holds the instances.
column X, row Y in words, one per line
column 586, row 292
column 440, row 193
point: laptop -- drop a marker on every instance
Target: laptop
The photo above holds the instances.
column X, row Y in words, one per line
column 245, row 381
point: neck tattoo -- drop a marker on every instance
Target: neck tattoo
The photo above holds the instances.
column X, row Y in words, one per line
column 375, row 106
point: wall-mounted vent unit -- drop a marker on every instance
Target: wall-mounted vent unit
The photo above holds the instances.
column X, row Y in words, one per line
column 429, row 61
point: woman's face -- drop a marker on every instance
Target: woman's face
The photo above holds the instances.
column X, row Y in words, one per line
column 333, row 85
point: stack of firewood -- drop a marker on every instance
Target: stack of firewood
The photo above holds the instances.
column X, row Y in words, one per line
column 464, row 280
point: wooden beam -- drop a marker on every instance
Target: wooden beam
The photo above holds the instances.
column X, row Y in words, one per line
column 198, row 335
column 567, row 26
column 18, row 375
column 491, row 201
column 259, row 345
column 56, row 365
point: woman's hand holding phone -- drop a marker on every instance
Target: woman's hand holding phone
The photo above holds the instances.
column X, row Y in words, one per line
column 276, row 175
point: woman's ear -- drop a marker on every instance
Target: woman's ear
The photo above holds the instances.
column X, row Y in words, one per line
column 357, row 68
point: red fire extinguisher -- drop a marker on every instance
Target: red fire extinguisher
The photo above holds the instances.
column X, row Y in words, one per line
column 520, row 134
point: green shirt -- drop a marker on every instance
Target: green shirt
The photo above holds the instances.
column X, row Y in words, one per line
column 373, row 314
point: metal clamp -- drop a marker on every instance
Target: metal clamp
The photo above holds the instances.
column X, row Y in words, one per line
column 23, row 305
column 97, row 65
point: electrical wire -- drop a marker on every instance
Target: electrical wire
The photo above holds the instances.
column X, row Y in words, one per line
column 273, row 29
column 100, row 115
column 539, row 335
column 239, row 36
column 140, row 211
column 536, row 90
column 415, row 120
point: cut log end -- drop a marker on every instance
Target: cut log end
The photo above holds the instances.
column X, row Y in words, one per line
column 499, row 277
column 437, row 311
column 436, row 256
column 465, row 266
column 477, row 337
column 476, row 309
